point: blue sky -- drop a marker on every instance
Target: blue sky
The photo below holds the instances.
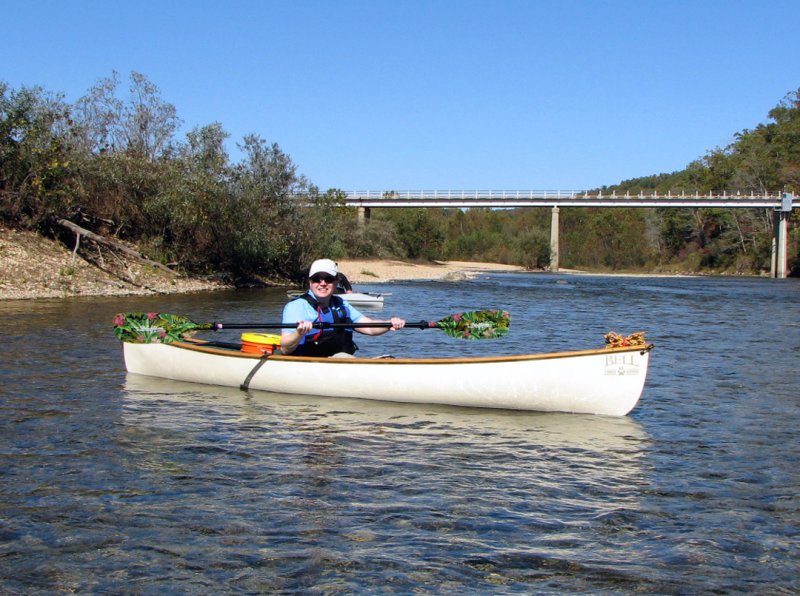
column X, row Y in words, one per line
column 404, row 95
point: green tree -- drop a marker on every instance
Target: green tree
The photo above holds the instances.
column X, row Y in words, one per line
column 420, row 231
column 786, row 139
column 36, row 157
column 267, row 235
column 190, row 213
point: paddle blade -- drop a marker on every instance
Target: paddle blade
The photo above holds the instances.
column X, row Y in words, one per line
column 153, row 327
column 479, row 324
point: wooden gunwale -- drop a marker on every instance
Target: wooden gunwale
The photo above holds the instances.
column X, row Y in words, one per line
column 197, row 345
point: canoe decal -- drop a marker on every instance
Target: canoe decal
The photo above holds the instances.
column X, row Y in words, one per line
column 622, row 364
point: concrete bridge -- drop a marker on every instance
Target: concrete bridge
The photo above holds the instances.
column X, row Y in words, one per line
column 780, row 203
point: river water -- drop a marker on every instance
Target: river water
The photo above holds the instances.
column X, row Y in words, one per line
column 114, row 483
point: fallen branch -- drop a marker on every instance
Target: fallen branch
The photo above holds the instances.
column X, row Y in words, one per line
column 116, row 245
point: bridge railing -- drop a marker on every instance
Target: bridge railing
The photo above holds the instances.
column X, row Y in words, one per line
column 551, row 194
column 465, row 194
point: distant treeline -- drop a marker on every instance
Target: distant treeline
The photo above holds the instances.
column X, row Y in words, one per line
column 112, row 162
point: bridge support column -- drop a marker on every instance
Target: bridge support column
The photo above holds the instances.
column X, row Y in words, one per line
column 554, row 240
column 363, row 216
column 780, row 237
column 780, row 256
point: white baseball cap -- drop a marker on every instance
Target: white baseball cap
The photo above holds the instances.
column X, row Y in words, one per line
column 323, row 266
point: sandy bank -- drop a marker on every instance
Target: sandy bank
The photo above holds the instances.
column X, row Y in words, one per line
column 381, row 271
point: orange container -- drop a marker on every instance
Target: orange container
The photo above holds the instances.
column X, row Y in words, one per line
column 262, row 344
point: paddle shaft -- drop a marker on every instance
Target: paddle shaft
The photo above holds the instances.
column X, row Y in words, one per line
column 318, row 325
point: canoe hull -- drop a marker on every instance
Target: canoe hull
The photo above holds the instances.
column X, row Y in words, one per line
column 354, row 298
column 606, row 381
column 363, row 299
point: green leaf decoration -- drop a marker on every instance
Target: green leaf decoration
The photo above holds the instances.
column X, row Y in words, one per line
column 481, row 324
column 152, row 327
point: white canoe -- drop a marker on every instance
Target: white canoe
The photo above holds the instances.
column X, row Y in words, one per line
column 355, row 298
column 605, row 381
column 363, row 298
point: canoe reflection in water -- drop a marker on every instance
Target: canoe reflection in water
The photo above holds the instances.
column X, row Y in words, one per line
column 338, row 488
column 614, row 443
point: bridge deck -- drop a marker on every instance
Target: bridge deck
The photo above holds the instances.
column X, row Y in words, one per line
column 563, row 198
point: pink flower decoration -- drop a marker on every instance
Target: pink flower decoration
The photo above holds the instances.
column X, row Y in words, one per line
column 119, row 321
column 457, row 317
column 152, row 315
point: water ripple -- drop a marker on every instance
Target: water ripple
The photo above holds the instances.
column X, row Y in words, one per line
column 123, row 484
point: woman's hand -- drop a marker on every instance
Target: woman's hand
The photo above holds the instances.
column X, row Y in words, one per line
column 303, row 327
column 291, row 339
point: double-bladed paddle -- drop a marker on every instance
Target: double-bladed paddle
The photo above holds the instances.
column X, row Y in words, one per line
column 138, row 327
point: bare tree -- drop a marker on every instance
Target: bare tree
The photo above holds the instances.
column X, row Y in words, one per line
column 142, row 125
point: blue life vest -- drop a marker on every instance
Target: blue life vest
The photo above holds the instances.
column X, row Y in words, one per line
column 327, row 342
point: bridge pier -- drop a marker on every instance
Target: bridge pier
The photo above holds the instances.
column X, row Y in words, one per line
column 779, row 263
column 554, row 240
column 363, row 216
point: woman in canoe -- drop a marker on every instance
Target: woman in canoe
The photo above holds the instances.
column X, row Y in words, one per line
column 321, row 305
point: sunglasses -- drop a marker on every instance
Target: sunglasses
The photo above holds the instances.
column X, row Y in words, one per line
column 328, row 279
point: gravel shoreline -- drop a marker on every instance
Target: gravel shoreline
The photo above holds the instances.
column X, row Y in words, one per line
column 33, row 267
